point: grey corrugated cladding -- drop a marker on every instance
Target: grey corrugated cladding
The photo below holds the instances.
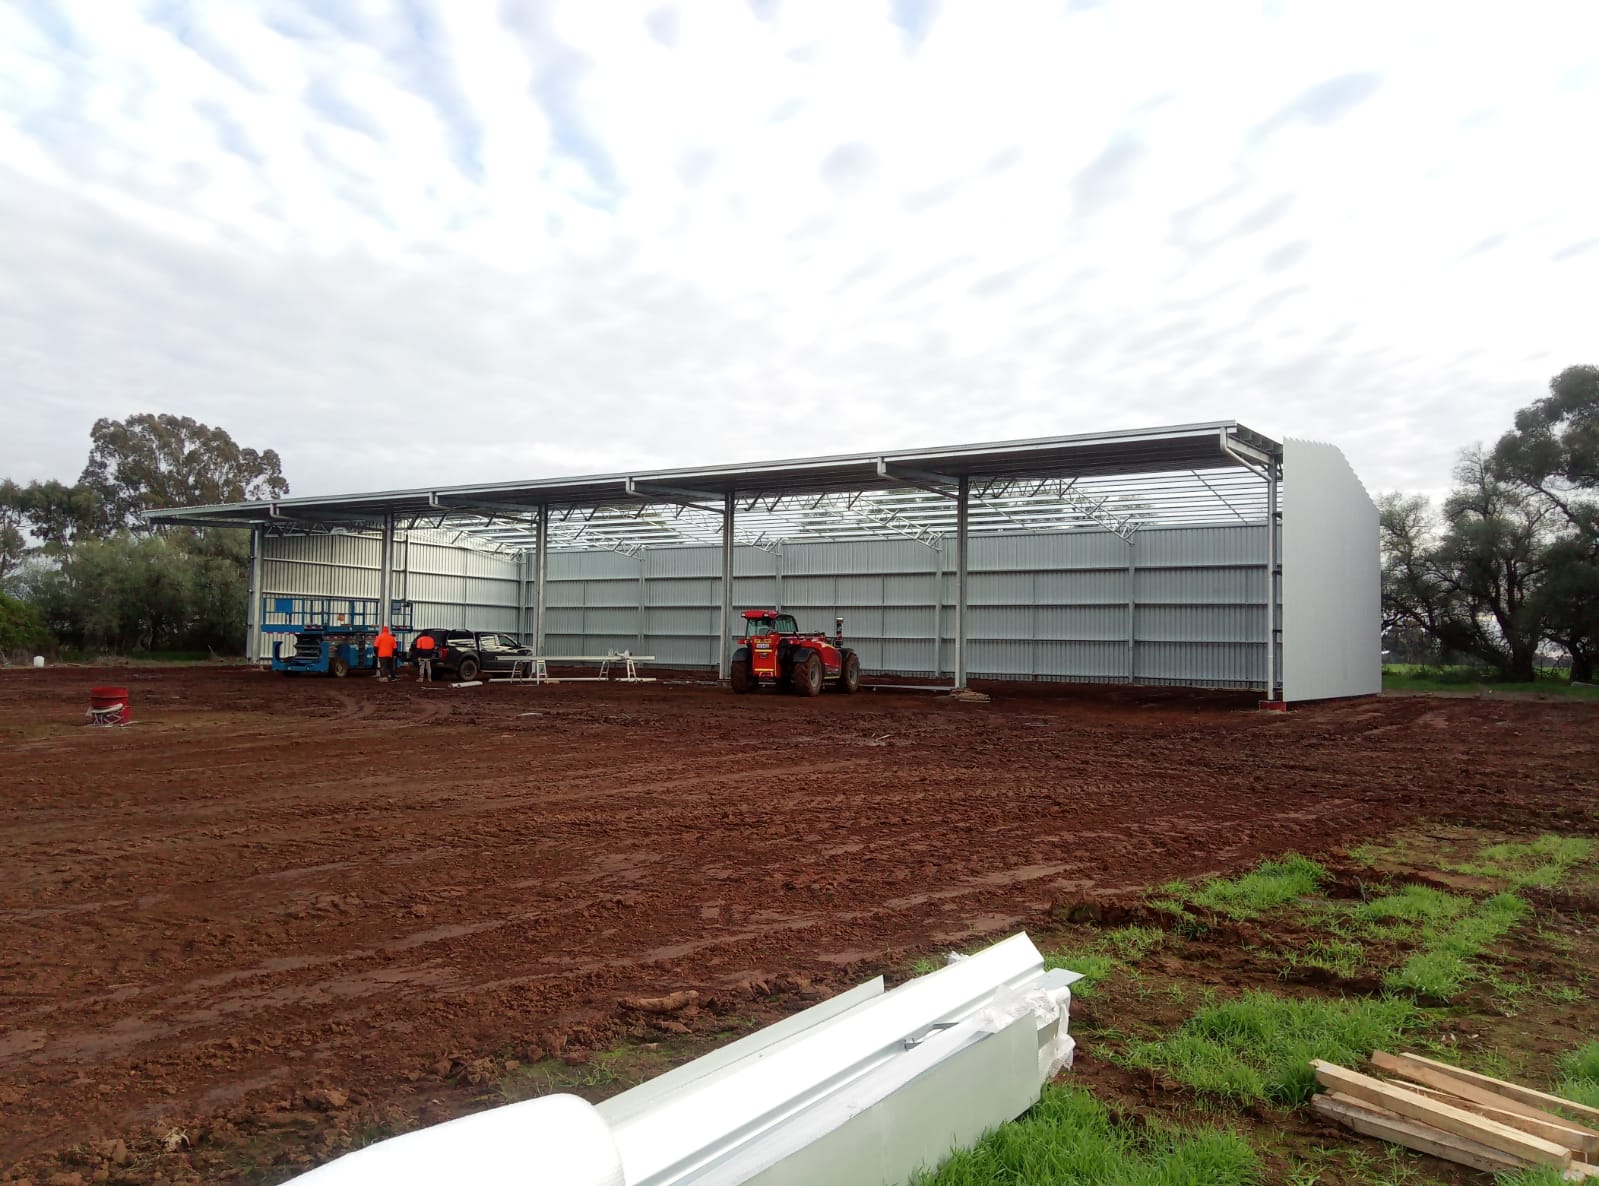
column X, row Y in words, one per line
column 1046, row 605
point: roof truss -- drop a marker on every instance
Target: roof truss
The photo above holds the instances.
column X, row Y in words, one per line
column 1119, row 482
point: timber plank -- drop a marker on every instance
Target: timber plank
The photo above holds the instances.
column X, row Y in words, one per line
column 1451, row 1119
column 1386, row 1126
column 1551, row 1128
column 1515, row 1091
column 1422, row 1070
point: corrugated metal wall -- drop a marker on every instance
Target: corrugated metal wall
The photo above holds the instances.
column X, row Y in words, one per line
column 447, row 585
column 1049, row 605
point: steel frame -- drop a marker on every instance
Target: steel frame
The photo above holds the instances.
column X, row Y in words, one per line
column 1122, row 505
column 1119, row 482
column 1269, row 469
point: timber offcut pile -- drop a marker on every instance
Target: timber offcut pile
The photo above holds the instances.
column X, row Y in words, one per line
column 1461, row 1116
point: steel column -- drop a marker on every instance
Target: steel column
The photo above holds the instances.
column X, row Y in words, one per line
column 252, row 607
column 541, row 564
column 723, row 656
column 643, row 600
column 938, row 610
column 1271, row 581
column 521, row 596
column 962, row 507
column 777, row 577
column 385, row 570
column 1132, row 613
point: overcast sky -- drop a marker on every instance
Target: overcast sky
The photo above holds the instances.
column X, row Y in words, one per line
column 455, row 240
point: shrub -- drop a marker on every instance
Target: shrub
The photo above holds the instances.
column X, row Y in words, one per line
column 21, row 628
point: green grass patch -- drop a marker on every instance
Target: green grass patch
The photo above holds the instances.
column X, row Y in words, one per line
column 1443, row 673
column 1172, row 896
column 1581, row 1091
column 1109, row 951
column 1095, row 960
column 1131, row 944
column 1258, row 1048
column 1365, row 854
column 1413, row 906
column 1563, row 994
column 1069, row 1137
column 1581, row 1071
column 1270, row 885
column 604, row 1071
column 1540, row 863
column 1537, row 1175
column 1444, row 931
column 135, row 658
column 1412, row 677
column 1094, row 967
column 1340, row 956
column 1451, row 930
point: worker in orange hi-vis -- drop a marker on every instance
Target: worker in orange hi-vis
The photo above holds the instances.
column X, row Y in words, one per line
column 384, row 645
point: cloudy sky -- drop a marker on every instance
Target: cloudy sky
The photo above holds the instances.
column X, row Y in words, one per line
column 450, row 240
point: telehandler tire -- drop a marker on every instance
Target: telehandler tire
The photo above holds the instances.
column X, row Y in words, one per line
column 849, row 674
column 807, row 677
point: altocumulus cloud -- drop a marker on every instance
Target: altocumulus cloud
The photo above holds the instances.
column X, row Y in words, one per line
column 592, row 236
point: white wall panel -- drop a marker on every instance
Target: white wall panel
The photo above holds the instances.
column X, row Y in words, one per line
column 1331, row 579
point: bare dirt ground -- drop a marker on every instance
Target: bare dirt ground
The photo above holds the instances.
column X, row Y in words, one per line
column 276, row 918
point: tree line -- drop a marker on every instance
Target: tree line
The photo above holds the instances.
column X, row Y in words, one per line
column 80, row 568
column 1508, row 567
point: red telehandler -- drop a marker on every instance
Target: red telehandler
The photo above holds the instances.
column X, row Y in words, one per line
column 774, row 651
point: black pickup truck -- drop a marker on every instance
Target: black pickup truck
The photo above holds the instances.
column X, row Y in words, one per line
column 466, row 654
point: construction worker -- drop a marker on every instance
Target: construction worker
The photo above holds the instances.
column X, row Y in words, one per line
column 384, row 645
column 422, row 649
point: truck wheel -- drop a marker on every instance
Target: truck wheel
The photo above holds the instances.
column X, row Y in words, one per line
column 740, row 679
column 807, row 677
column 338, row 667
column 849, row 675
column 468, row 669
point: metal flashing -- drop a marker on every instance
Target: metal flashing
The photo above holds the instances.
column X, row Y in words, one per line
column 865, row 1089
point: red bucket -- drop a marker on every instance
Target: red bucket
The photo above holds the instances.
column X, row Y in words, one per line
column 109, row 706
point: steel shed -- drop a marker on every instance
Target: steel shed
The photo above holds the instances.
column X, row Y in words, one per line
column 1199, row 554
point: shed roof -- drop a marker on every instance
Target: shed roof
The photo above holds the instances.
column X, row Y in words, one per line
column 1122, row 481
